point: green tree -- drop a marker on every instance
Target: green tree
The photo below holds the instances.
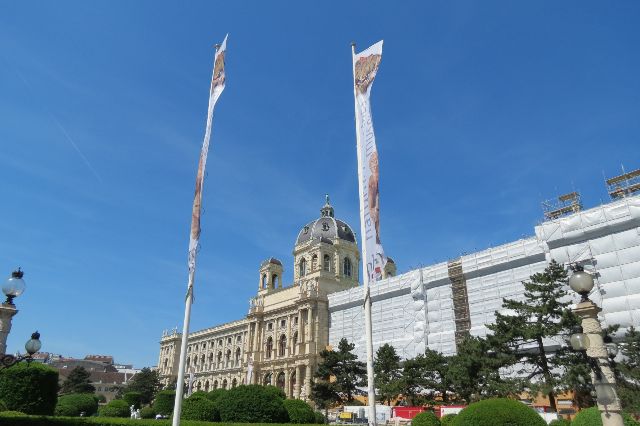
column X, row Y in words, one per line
column 629, row 371
column 435, row 367
column 473, row 373
column 543, row 313
column 412, row 379
column 29, row 388
column 387, row 373
column 72, row 405
column 147, row 382
column 251, row 404
column 340, row 373
column 78, row 381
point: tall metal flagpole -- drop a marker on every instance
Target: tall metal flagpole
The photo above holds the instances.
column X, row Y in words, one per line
column 365, row 274
column 217, row 81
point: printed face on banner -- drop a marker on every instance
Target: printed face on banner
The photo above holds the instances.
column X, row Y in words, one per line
column 218, row 72
column 366, row 68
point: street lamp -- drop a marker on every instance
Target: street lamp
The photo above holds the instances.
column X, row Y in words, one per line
column 589, row 341
column 14, row 286
column 32, row 346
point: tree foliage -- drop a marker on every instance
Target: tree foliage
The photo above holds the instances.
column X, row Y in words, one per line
column 299, row 411
column 387, row 373
column 147, row 382
column 71, row 405
column 164, row 402
column 426, row 418
column 78, row 381
column 341, row 375
column 31, row 388
column 199, row 407
column 542, row 314
column 115, row 408
column 251, row 404
column 498, row 412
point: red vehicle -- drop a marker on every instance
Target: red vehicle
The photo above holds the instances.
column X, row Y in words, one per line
column 406, row 412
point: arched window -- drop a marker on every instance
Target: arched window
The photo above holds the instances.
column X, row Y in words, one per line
column 275, row 280
column 220, row 359
column 227, row 359
column 211, row 360
column 346, row 270
column 302, row 267
column 206, row 386
column 327, row 262
column 234, row 383
column 166, row 361
column 280, row 380
column 293, row 380
column 294, row 341
column 198, row 385
column 269, row 348
column 224, row 384
column 215, row 384
column 282, row 345
column 314, row 262
column 202, row 360
column 238, row 357
column 264, row 281
column 267, row 379
column 188, row 361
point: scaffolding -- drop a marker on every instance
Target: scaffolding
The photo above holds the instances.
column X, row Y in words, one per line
column 564, row 205
column 460, row 299
column 624, row 185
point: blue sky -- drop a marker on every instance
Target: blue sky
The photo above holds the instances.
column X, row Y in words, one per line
column 481, row 110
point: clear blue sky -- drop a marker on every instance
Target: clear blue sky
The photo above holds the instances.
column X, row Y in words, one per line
column 481, row 109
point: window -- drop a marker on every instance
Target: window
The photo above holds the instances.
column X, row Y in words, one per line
column 264, row 281
column 227, row 359
column 267, row 379
column 346, row 267
column 283, row 323
column 314, row 262
column 275, row 281
column 270, row 326
column 234, row 383
column 215, row 384
column 302, row 267
column 219, row 359
column 327, row 263
column 229, row 340
column 282, row 345
column 188, row 360
column 224, row 384
column 280, row 380
column 294, row 341
column 206, row 386
column 269, row 348
column 237, row 357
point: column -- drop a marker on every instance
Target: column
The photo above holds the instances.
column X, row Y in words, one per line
column 287, row 385
column 307, row 381
column 611, row 413
column 7, row 312
column 300, row 333
column 296, row 388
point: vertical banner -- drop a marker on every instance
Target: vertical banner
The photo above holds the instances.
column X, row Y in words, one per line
column 217, row 86
column 365, row 67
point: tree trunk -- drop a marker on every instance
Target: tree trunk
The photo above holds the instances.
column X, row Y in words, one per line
column 547, row 375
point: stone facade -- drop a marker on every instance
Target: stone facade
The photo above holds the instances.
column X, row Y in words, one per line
column 280, row 339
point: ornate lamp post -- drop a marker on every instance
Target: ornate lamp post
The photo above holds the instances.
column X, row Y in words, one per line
column 589, row 340
column 32, row 346
column 12, row 288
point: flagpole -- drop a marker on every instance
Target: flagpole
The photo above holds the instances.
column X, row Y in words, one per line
column 365, row 274
column 177, row 406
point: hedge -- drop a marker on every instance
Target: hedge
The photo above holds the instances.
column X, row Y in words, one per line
column 115, row 408
column 164, row 402
column 591, row 417
column 133, row 398
column 199, row 407
column 251, row 404
column 426, row 418
column 560, row 422
column 299, row 411
column 147, row 413
column 447, row 419
column 215, row 394
column 31, row 388
column 71, row 405
column 498, row 412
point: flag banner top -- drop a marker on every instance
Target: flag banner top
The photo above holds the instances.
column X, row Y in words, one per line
column 218, row 80
column 365, row 67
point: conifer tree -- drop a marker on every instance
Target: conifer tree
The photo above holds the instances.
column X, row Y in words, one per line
column 387, row 373
column 78, row 381
column 542, row 314
column 629, row 371
column 341, row 374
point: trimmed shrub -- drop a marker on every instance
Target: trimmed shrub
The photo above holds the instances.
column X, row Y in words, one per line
column 73, row 404
column 147, row 413
column 319, row 417
column 30, row 388
column 447, row 419
column 251, row 404
column 164, row 402
column 215, row 394
column 133, row 398
column 591, row 417
column 275, row 392
column 498, row 412
column 299, row 411
column 199, row 407
column 560, row 422
column 426, row 418
column 115, row 408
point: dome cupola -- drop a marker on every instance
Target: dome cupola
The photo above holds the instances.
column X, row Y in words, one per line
column 326, row 228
